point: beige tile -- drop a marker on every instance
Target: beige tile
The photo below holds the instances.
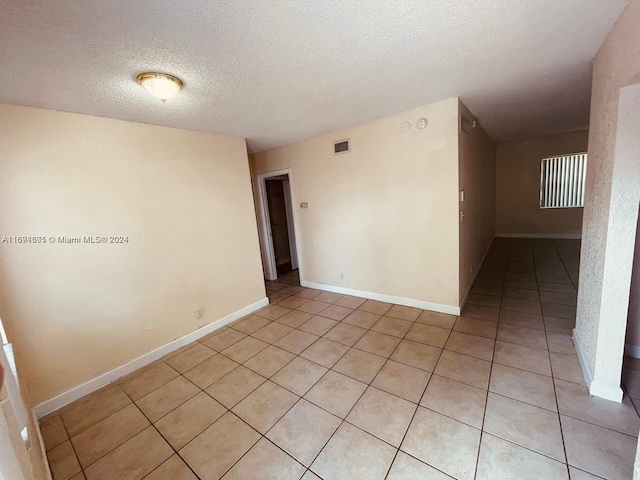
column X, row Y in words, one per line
column 132, row 460
column 483, row 313
column 350, row 302
column 104, row 436
column 382, row 415
column 528, row 426
column 265, row 461
column 559, row 311
column 487, row 290
column 294, row 319
column 272, row 332
column 313, row 307
column 246, row 348
column 475, row 298
column 219, row 447
column 560, row 298
column 79, row 476
column 378, row 343
column 465, row 369
column 392, row 326
column 437, row 319
column 428, row 334
column 190, row 357
column 146, row 380
column 416, row 355
column 308, row 293
column 269, row 361
column 525, row 386
column 336, row 393
column 556, row 287
column 250, row 324
column 222, row 339
column 501, row 460
column 233, row 387
column 275, row 297
column 292, row 302
column 452, row 446
column 275, row 286
column 210, row 370
column 575, row 401
column 376, row 307
column 94, row 407
column 580, row 475
column 631, row 380
column 328, row 297
column 598, row 450
column 472, row 345
column 402, row 380
column 336, row 312
column 559, row 325
column 297, row 341
column 559, row 343
column 273, row 312
column 309, row 475
column 172, row 469
column 475, row 326
column 456, row 400
column 325, row 352
column 521, row 293
column 567, row 367
column 520, row 319
column 264, row 407
column 303, row 431
column 318, row 325
column 299, row 375
column 528, row 337
column 520, row 305
column 408, row 468
column 63, row 461
column 352, row 453
column 524, row 358
column 360, row 318
column 188, row 420
column 360, row 365
column 404, row 313
column 161, row 401
column 53, row 432
column 345, row 334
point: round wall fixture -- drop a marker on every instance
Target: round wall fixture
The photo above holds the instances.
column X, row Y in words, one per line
column 160, row 85
column 421, row 124
column 405, row 127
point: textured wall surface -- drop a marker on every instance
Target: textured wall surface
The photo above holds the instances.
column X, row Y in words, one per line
column 518, row 186
column 74, row 311
column 385, row 214
column 477, row 154
column 278, row 71
column 616, row 65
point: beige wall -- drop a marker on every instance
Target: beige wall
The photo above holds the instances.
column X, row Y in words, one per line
column 616, row 65
column 385, row 214
column 183, row 199
column 477, row 157
column 518, row 186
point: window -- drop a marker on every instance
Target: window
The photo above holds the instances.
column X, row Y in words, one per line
column 562, row 181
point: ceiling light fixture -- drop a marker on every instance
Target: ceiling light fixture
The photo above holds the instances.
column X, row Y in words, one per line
column 160, row 85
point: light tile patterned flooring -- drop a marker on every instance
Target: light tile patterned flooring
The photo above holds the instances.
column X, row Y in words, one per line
column 321, row 385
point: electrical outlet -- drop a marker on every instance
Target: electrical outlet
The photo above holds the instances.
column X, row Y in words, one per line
column 341, row 275
column 200, row 312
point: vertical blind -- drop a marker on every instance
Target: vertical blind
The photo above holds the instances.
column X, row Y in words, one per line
column 562, row 181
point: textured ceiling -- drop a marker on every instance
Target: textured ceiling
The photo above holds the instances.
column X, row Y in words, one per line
column 278, row 71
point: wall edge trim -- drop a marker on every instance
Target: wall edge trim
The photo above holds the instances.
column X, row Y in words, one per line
column 596, row 388
column 409, row 302
column 475, row 275
column 540, row 235
column 79, row 391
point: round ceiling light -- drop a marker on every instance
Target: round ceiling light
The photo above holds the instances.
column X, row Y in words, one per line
column 160, row 85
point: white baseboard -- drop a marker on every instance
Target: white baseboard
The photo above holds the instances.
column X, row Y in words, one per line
column 632, row 350
column 596, row 388
column 475, row 275
column 381, row 297
column 106, row 378
column 540, row 235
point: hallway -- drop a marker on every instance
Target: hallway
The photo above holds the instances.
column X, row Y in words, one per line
column 322, row 385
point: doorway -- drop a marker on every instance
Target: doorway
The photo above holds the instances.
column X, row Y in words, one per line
column 278, row 245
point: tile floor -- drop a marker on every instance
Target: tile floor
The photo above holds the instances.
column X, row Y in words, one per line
column 321, row 385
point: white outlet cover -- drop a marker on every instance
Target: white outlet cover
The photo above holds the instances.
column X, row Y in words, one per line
column 421, row 124
column 405, row 127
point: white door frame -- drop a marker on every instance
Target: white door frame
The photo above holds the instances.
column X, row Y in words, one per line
column 266, row 243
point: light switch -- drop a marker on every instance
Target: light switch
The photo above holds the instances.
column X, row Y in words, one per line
column 304, row 205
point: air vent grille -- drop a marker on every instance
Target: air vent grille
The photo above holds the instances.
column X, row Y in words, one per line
column 341, row 146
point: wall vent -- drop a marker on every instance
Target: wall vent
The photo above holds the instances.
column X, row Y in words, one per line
column 341, row 146
column 562, row 181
